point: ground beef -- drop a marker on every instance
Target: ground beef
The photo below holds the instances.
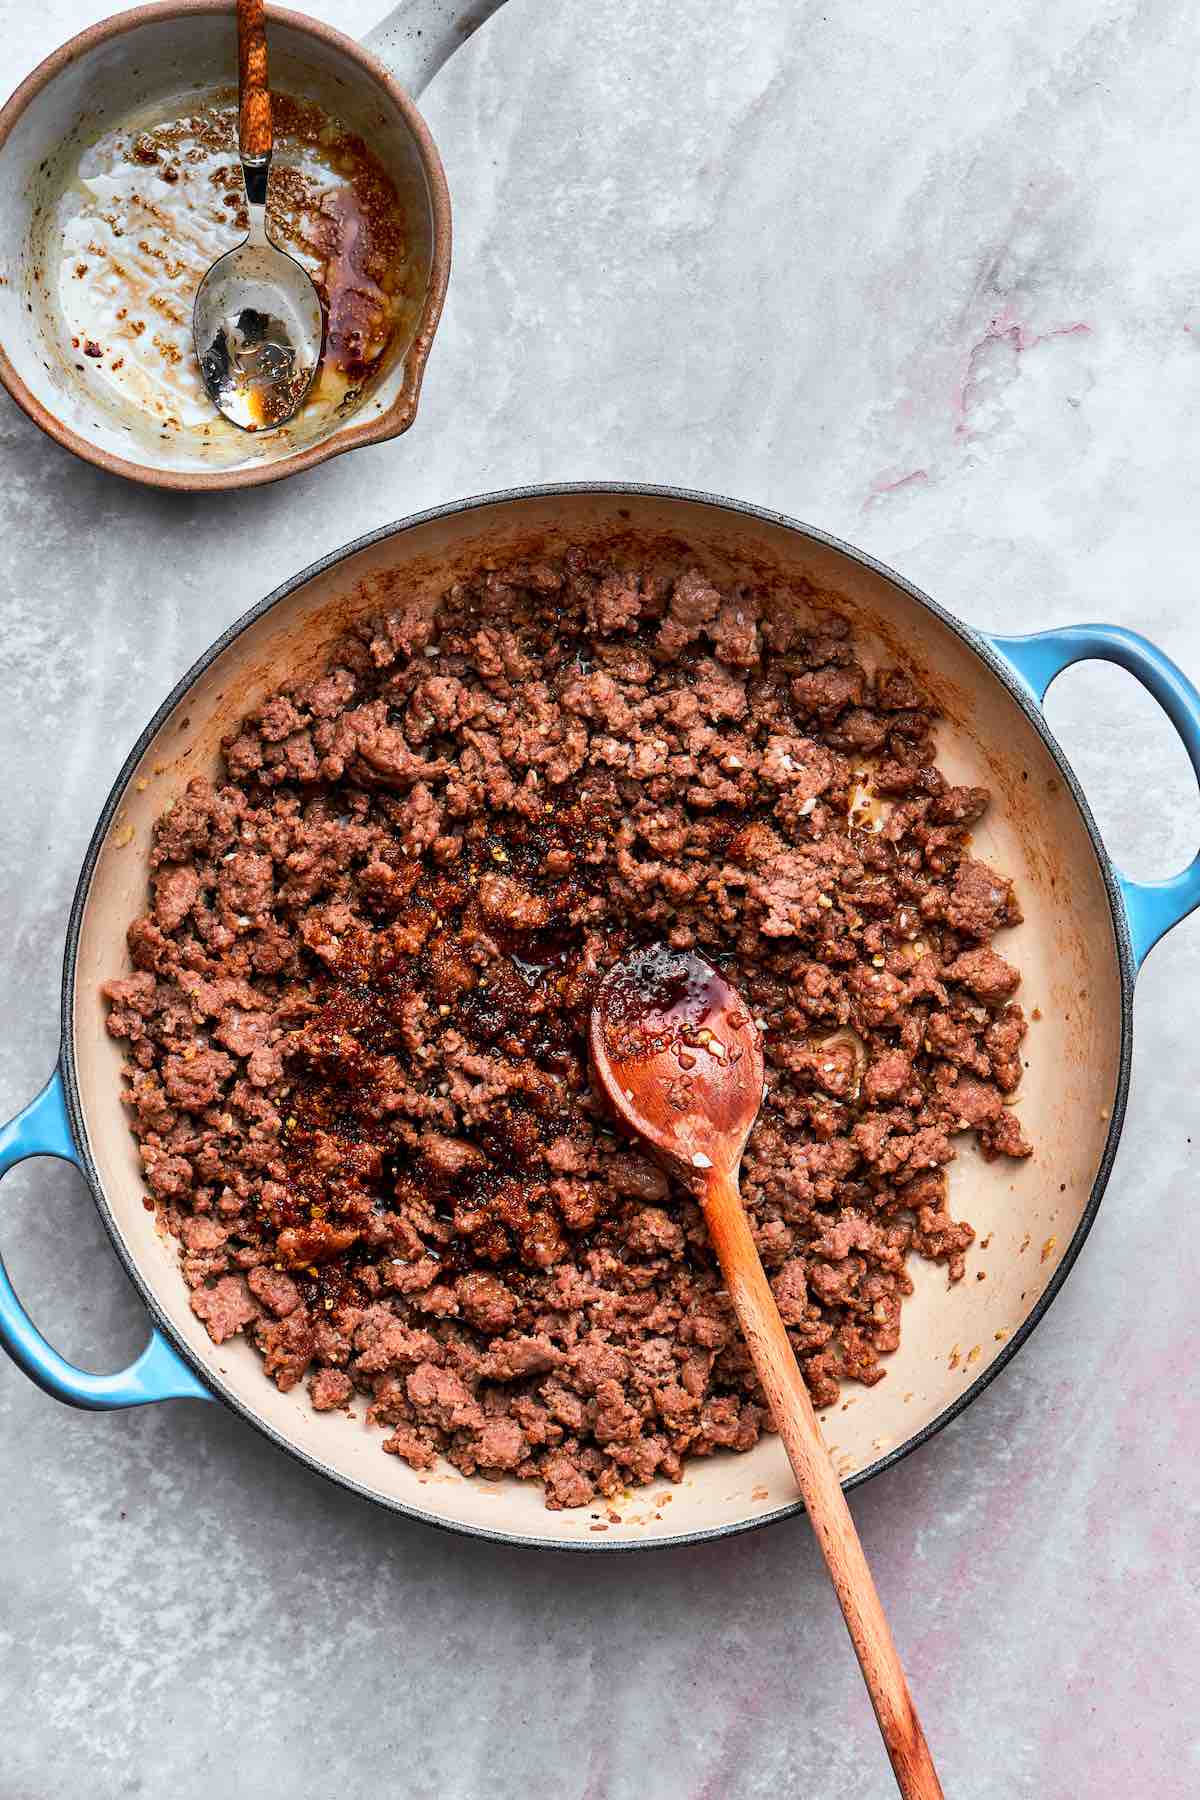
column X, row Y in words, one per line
column 355, row 1030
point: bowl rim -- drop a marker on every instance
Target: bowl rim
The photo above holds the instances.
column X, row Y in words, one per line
column 403, row 410
column 993, row 662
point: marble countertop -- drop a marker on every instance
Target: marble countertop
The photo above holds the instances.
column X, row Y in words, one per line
column 926, row 277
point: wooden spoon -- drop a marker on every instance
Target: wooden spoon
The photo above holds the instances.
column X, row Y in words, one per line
column 680, row 1059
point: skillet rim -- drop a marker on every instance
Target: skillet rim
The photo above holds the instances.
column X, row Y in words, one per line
column 992, row 660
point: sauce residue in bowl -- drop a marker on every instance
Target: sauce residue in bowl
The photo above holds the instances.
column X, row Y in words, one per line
column 152, row 203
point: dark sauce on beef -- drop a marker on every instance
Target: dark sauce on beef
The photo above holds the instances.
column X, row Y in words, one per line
column 347, row 1160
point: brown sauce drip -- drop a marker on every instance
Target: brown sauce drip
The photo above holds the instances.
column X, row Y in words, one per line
column 358, row 232
column 357, row 310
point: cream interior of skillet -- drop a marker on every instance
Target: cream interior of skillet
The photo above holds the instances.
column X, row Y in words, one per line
column 151, row 203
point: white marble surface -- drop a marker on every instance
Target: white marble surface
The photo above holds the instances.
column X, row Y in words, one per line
column 928, row 277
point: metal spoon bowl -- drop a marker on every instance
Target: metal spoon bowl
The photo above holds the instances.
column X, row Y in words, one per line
column 257, row 323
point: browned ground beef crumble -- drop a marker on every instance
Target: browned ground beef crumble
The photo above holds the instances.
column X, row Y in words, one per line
column 356, row 1030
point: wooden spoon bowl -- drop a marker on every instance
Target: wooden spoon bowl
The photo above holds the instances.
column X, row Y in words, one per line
column 680, row 1059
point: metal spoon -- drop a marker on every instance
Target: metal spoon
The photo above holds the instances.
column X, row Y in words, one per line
column 681, row 1061
column 257, row 322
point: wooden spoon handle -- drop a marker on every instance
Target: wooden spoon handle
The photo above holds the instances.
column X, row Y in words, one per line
column 796, row 1423
column 254, row 115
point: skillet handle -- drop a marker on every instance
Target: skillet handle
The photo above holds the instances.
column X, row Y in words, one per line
column 43, row 1129
column 1152, row 907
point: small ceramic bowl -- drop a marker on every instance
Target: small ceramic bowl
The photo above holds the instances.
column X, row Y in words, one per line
column 110, row 78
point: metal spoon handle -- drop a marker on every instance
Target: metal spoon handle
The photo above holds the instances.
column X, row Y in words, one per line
column 255, row 135
column 792, row 1411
